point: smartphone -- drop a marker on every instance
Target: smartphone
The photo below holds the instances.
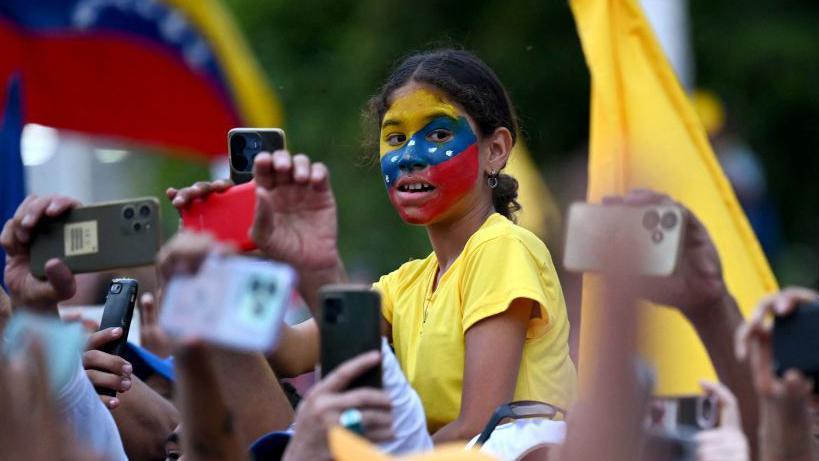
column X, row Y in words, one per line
column 796, row 342
column 233, row 301
column 652, row 234
column 118, row 312
column 350, row 325
column 694, row 412
column 243, row 146
column 99, row 237
column 228, row 215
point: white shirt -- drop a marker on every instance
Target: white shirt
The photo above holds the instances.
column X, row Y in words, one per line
column 91, row 422
column 409, row 423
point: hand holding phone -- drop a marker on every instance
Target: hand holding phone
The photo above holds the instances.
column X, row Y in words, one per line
column 118, row 312
column 350, row 325
column 233, row 301
column 651, row 234
column 796, row 342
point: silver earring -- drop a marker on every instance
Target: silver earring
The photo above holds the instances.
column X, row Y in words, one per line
column 492, row 180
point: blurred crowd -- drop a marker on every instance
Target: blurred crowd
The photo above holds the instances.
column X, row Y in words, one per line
column 474, row 358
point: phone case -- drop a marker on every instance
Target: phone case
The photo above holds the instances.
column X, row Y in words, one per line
column 243, row 146
column 99, row 237
column 653, row 235
column 350, row 324
column 228, row 215
column 118, row 312
column 796, row 342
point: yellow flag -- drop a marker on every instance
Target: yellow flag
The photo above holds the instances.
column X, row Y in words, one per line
column 644, row 133
column 539, row 211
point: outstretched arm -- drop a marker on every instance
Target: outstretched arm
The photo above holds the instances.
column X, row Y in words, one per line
column 697, row 289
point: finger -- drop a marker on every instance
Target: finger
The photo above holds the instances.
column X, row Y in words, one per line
column 283, row 167
column 108, row 363
column 376, row 419
column 362, row 398
column 221, row 185
column 729, row 410
column 797, row 387
column 108, row 380
column 342, row 376
column 320, row 177
column 301, row 169
column 28, row 217
column 103, row 337
column 171, row 193
column 59, row 205
column 787, row 301
column 262, row 226
column 263, row 171
column 612, row 200
column 382, row 434
column 60, row 279
column 147, row 310
column 639, row 197
column 109, row 402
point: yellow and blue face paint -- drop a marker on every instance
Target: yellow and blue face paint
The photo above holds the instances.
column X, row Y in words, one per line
column 429, row 155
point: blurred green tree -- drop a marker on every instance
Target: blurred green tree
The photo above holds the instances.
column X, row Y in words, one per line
column 325, row 58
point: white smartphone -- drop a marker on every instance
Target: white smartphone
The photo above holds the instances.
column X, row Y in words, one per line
column 651, row 235
column 235, row 301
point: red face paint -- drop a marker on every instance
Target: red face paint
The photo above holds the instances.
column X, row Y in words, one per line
column 451, row 179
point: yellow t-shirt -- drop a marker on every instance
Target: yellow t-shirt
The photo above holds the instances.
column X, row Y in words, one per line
column 501, row 262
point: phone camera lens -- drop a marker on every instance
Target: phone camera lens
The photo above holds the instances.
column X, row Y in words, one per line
column 128, row 212
column 669, row 220
column 137, row 227
column 116, row 288
column 651, row 219
column 144, row 211
column 656, row 236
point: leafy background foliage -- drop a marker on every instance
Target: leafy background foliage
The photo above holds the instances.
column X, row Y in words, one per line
column 326, row 58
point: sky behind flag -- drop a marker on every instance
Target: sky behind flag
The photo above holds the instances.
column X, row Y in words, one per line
column 644, row 133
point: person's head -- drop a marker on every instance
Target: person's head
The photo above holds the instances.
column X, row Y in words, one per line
column 446, row 129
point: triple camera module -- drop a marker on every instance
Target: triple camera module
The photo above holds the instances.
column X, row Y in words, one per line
column 137, row 218
column 655, row 223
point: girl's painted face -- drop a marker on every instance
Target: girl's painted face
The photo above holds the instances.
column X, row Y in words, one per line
column 429, row 155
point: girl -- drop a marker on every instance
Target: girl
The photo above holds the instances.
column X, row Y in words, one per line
column 480, row 321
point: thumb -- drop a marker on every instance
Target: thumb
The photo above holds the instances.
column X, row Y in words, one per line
column 60, row 279
column 729, row 409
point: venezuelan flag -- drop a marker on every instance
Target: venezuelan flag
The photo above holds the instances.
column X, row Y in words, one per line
column 170, row 73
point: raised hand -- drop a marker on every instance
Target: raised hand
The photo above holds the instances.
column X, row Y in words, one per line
column 786, row 423
column 295, row 218
column 151, row 335
column 25, row 289
column 697, row 282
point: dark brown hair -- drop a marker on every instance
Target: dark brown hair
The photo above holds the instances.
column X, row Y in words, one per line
column 469, row 82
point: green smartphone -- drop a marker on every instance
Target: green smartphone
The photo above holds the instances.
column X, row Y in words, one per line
column 99, row 237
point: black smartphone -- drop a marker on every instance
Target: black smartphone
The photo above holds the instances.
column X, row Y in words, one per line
column 350, row 324
column 243, row 146
column 796, row 342
column 118, row 312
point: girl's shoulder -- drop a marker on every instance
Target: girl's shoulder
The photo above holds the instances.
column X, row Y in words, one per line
column 408, row 272
column 500, row 233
